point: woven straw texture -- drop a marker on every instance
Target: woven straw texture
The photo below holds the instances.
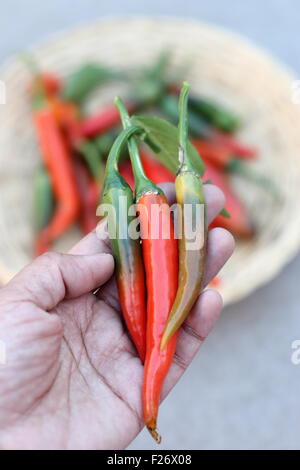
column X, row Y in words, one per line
column 222, row 66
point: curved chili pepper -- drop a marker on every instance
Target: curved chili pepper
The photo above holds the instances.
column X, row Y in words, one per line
column 127, row 251
column 161, row 265
column 189, row 193
column 57, row 160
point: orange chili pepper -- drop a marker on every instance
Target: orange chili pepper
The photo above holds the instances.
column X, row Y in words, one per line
column 57, row 160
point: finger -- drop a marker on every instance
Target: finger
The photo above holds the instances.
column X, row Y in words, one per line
column 215, row 201
column 54, row 277
column 193, row 333
column 169, row 191
column 95, row 242
column 220, row 247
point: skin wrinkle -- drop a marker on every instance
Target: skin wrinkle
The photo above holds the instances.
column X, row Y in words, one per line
column 116, row 352
column 179, row 361
column 73, row 415
column 111, row 299
column 24, row 414
column 109, row 385
column 77, row 365
column 192, row 332
column 54, row 260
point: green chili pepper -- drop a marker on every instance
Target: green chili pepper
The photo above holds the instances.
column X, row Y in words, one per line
column 43, row 200
column 149, row 86
column 93, row 158
column 126, row 250
column 105, row 141
column 86, row 79
column 214, row 114
column 190, row 197
column 197, row 126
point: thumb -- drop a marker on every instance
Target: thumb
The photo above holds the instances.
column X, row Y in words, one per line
column 54, row 277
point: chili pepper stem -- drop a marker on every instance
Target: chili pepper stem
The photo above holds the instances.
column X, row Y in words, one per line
column 143, row 184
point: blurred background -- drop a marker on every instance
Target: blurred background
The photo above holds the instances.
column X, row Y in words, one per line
column 242, row 390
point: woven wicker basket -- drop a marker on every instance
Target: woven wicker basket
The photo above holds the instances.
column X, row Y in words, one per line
column 224, row 67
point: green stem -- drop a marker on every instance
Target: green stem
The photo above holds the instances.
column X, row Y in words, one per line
column 183, row 129
column 114, row 154
column 142, row 183
column 183, row 117
column 92, row 157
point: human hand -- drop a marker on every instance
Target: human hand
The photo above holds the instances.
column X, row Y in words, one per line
column 73, row 378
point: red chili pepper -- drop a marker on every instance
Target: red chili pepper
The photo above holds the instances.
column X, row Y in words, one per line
column 161, row 266
column 127, row 173
column 154, row 170
column 213, row 152
column 238, row 223
column 58, row 162
column 160, row 254
column 236, row 147
column 89, row 195
column 99, row 123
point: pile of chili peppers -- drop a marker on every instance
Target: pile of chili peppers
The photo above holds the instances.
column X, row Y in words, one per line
column 74, row 146
column 86, row 159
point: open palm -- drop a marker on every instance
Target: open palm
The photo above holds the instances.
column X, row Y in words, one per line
column 73, row 379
